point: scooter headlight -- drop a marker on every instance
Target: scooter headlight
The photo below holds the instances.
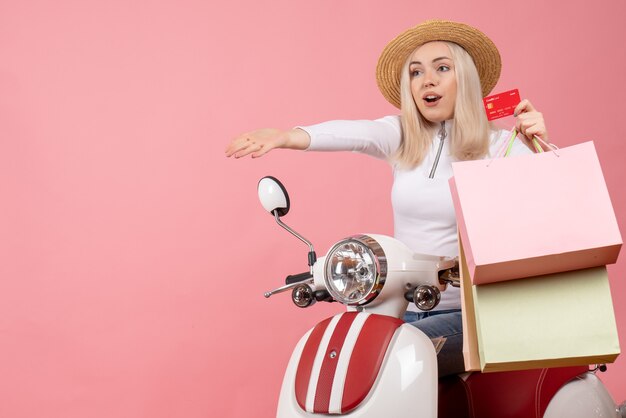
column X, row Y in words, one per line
column 355, row 270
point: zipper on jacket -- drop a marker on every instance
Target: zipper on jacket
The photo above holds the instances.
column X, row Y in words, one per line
column 442, row 136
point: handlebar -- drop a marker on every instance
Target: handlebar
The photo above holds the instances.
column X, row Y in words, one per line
column 295, row 278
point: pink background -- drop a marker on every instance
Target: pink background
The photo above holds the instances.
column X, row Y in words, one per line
column 134, row 255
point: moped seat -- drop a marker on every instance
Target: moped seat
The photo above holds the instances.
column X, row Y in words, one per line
column 516, row 394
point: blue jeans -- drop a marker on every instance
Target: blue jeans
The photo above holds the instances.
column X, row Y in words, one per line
column 445, row 324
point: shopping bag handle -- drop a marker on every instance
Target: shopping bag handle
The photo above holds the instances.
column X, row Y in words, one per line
column 505, row 149
column 535, row 142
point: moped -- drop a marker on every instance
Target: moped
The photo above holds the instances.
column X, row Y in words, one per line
column 366, row 362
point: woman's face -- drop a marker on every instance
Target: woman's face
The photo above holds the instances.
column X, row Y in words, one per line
column 433, row 81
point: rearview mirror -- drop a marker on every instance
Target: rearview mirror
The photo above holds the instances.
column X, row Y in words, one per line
column 273, row 196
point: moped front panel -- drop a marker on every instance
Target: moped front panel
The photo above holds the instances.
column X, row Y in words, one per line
column 406, row 384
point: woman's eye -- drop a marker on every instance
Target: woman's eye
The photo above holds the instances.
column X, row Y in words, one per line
column 444, row 68
column 415, row 73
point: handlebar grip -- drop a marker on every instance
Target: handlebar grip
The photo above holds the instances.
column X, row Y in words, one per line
column 322, row 296
column 295, row 278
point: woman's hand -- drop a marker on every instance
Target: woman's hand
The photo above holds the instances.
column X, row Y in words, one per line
column 529, row 121
column 260, row 142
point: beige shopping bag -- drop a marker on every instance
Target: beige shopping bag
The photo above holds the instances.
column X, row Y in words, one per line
column 554, row 320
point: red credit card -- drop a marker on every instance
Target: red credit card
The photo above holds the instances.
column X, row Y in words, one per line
column 501, row 105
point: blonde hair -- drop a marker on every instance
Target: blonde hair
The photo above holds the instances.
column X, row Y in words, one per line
column 470, row 130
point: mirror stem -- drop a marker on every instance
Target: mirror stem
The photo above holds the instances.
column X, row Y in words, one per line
column 312, row 256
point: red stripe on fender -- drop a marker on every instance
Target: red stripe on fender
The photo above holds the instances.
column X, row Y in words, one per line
column 366, row 359
column 329, row 365
column 303, row 374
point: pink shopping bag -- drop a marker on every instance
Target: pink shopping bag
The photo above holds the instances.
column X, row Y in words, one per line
column 534, row 214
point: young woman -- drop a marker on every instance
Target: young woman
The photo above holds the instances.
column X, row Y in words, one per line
column 437, row 74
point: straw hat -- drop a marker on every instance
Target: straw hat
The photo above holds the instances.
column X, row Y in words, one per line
column 482, row 50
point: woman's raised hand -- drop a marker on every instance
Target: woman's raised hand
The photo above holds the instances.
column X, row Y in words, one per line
column 260, row 142
column 529, row 121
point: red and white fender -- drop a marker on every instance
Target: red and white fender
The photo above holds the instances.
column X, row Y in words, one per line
column 338, row 367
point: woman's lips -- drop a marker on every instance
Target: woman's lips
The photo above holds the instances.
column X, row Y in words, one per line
column 431, row 100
